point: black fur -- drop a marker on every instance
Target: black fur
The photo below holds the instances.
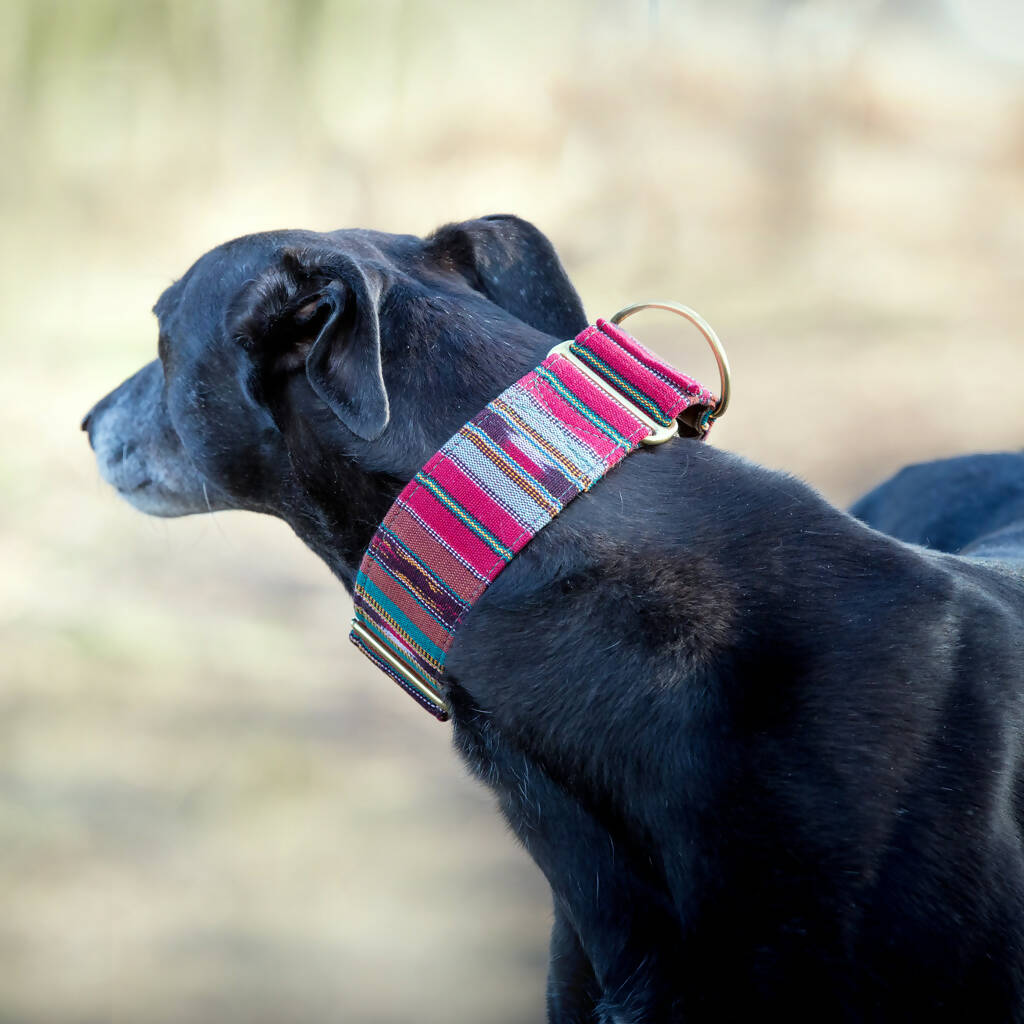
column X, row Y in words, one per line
column 768, row 758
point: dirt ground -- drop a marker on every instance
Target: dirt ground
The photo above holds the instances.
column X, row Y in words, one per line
column 211, row 808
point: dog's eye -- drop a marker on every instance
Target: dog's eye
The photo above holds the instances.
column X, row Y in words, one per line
column 162, row 347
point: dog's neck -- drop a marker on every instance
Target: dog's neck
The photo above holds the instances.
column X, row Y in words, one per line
column 498, row 481
column 345, row 489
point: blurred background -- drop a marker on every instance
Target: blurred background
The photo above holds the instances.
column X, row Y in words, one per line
column 211, row 809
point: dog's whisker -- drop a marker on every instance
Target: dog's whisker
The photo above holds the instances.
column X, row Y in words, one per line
column 212, row 514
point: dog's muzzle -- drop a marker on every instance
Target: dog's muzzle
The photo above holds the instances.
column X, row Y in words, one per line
column 139, row 453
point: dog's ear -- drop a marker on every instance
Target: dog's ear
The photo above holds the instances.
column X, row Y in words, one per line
column 319, row 311
column 343, row 365
column 515, row 266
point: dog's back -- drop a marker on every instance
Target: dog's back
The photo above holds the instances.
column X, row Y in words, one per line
column 970, row 505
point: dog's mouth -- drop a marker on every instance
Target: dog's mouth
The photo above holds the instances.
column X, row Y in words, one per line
column 136, row 485
column 149, row 483
column 124, row 471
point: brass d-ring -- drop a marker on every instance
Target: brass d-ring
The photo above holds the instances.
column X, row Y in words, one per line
column 709, row 335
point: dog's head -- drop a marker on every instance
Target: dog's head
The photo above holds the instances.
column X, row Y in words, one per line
column 310, row 375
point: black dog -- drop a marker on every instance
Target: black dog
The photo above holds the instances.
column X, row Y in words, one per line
column 768, row 758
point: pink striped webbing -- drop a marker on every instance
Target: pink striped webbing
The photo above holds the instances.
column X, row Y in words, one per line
column 495, row 484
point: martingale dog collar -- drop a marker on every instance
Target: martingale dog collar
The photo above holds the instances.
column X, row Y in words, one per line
column 503, row 477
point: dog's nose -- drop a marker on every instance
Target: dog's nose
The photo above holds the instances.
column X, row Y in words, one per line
column 87, row 423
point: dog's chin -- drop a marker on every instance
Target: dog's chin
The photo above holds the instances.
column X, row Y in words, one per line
column 161, row 490
column 155, row 501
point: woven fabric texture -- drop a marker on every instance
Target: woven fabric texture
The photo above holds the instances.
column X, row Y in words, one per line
column 499, row 481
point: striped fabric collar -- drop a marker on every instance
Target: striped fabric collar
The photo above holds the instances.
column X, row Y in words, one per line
column 499, row 481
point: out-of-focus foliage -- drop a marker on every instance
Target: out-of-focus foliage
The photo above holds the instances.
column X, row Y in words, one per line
column 209, row 809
